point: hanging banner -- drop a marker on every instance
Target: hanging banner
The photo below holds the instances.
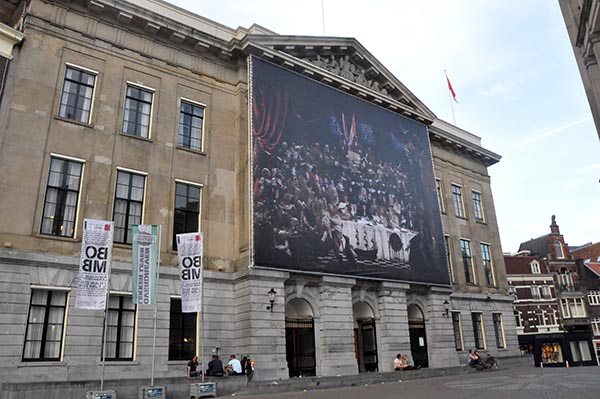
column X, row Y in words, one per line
column 144, row 263
column 190, row 248
column 95, row 263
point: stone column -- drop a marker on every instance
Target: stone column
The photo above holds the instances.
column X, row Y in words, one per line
column 392, row 327
column 440, row 333
column 336, row 332
column 259, row 332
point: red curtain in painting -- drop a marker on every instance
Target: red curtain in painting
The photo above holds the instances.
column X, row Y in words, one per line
column 269, row 111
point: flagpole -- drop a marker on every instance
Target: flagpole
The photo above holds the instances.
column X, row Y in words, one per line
column 104, row 334
column 155, row 305
column 323, row 16
column 202, row 321
column 450, row 99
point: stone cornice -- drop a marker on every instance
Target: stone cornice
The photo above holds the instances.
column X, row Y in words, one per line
column 458, row 144
column 8, row 38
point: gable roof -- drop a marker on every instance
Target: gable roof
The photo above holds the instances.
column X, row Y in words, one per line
column 594, row 267
column 536, row 246
column 340, row 62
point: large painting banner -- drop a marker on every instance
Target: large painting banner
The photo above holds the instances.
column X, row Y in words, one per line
column 340, row 185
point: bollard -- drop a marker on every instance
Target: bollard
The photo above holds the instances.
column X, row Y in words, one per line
column 568, row 364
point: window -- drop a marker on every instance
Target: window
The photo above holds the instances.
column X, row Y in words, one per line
column 572, row 307
column 551, row 317
column 438, row 186
column 458, row 337
column 546, row 292
column 535, row 293
column 191, row 117
column 77, row 94
column 565, row 280
column 457, row 198
column 518, row 318
column 595, row 321
column 182, row 333
column 187, row 210
column 558, row 249
column 120, row 325
column 487, row 264
column 535, row 267
column 478, row 330
column 138, row 107
column 465, row 247
column 62, row 196
column 449, row 257
column 129, row 203
column 45, row 325
column 580, row 351
column 594, row 298
column 477, row 206
column 499, row 330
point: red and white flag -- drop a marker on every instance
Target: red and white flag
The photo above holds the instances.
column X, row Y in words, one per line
column 451, row 89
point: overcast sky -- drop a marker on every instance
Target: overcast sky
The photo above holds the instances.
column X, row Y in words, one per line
column 515, row 78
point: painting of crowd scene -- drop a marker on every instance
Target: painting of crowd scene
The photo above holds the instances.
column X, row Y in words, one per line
column 340, row 186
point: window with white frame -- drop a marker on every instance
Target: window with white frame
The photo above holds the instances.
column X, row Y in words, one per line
column 477, row 206
column 518, row 318
column 186, row 215
column 458, row 336
column 499, row 330
column 565, row 281
column 595, row 321
column 551, row 317
column 558, row 249
column 45, row 325
column 478, row 331
column 535, row 292
column 191, row 117
column 440, row 193
column 138, row 111
column 77, row 94
column 449, row 257
column 573, row 307
column 62, row 197
column 546, row 292
column 459, row 208
column 465, row 246
column 535, row 267
column 488, row 268
column 120, row 327
column 129, row 204
column 593, row 298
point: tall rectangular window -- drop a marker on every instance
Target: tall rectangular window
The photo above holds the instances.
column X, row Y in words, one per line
column 459, row 208
column 458, row 338
column 546, row 292
column 182, row 332
column 499, row 330
column 477, row 206
column 449, row 257
column 465, row 247
column 138, row 109
column 77, row 94
column 129, row 203
column 120, row 325
column 187, row 210
column 45, row 325
column 438, row 186
column 191, row 117
column 478, row 330
column 487, row 265
column 535, row 292
column 62, row 195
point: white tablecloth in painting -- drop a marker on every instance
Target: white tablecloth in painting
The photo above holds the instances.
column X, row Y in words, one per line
column 365, row 235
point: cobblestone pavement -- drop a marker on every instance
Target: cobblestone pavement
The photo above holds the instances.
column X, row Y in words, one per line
column 522, row 383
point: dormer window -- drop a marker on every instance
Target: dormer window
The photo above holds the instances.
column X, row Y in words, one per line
column 558, row 250
column 535, row 267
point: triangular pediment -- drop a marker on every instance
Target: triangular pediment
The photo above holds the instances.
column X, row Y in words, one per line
column 343, row 63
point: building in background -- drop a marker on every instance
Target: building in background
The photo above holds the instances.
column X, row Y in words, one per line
column 581, row 18
column 139, row 113
column 554, row 341
column 588, row 264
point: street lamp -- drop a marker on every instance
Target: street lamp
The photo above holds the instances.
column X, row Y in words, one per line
column 446, row 308
column 271, row 294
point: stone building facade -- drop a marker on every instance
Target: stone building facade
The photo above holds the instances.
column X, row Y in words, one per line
column 137, row 112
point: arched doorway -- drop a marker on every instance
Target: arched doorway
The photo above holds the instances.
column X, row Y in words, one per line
column 300, row 338
column 418, row 338
column 365, row 338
